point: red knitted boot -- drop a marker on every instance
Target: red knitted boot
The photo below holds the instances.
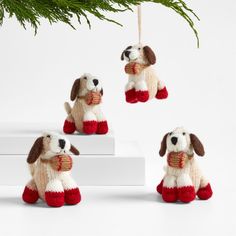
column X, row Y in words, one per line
column 162, row 93
column 102, row 127
column 159, row 187
column 30, row 196
column 131, row 96
column 169, row 194
column 186, row 194
column 72, row 196
column 90, row 127
column 54, row 199
column 69, row 127
column 142, row 96
column 205, row 193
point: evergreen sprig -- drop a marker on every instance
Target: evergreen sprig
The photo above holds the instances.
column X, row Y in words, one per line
column 30, row 11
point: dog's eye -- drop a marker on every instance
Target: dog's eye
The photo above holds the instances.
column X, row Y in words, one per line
column 85, row 78
column 48, row 136
column 184, row 133
column 170, row 133
column 139, row 48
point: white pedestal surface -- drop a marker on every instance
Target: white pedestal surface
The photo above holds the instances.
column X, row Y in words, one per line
column 98, row 163
column 18, row 138
column 127, row 167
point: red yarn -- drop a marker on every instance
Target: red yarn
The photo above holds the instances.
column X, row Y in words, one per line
column 54, row 199
column 30, row 196
column 162, row 93
column 205, row 193
column 169, row 194
column 72, row 196
column 142, row 96
column 89, row 127
column 69, row 127
column 159, row 187
column 131, row 96
column 186, row 194
column 102, row 127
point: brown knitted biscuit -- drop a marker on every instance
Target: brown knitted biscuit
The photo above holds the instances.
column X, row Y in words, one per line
column 93, row 98
column 61, row 163
column 134, row 68
column 177, row 159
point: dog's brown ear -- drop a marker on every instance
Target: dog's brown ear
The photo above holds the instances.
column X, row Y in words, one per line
column 75, row 89
column 74, row 150
column 149, row 54
column 197, row 145
column 162, row 151
column 122, row 56
column 35, row 151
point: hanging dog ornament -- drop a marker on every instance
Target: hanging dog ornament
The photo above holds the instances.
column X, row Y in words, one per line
column 143, row 83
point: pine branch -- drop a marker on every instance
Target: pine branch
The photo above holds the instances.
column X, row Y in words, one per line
column 30, row 11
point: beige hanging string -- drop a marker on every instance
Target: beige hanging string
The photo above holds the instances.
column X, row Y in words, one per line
column 139, row 24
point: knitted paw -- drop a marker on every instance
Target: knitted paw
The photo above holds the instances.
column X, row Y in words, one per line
column 131, row 96
column 72, row 196
column 54, row 199
column 186, row 194
column 142, row 96
column 69, row 127
column 159, row 187
column 30, row 196
column 90, row 127
column 205, row 193
column 162, row 93
column 102, row 127
column 169, row 194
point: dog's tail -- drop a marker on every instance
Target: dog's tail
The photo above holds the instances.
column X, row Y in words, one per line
column 67, row 108
column 32, row 169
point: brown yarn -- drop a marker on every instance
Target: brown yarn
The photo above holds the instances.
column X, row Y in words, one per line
column 60, row 162
column 134, row 68
column 92, row 98
column 178, row 159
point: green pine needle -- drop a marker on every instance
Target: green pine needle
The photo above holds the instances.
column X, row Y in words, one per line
column 30, row 11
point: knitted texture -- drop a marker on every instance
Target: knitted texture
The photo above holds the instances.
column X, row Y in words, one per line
column 177, row 159
column 60, row 163
column 93, row 98
column 72, row 196
column 51, row 177
column 69, row 127
column 182, row 171
column 86, row 112
column 142, row 78
column 133, row 68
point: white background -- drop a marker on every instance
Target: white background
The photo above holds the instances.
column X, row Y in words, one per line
column 37, row 72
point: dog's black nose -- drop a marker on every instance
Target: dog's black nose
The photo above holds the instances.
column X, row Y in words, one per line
column 62, row 143
column 95, row 82
column 127, row 53
column 174, row 140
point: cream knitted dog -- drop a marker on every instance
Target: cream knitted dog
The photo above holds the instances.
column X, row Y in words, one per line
column 183, row 179
column 143, row 82
column 50, row 166
column 86, row 115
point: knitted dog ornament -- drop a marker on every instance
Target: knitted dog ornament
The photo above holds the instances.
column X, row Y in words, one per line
column 143, row 83
column 183, row 179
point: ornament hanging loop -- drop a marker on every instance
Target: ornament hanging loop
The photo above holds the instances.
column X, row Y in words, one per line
column 139, row 12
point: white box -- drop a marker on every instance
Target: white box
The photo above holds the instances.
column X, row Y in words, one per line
column 18, row 138
column 127, row 167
